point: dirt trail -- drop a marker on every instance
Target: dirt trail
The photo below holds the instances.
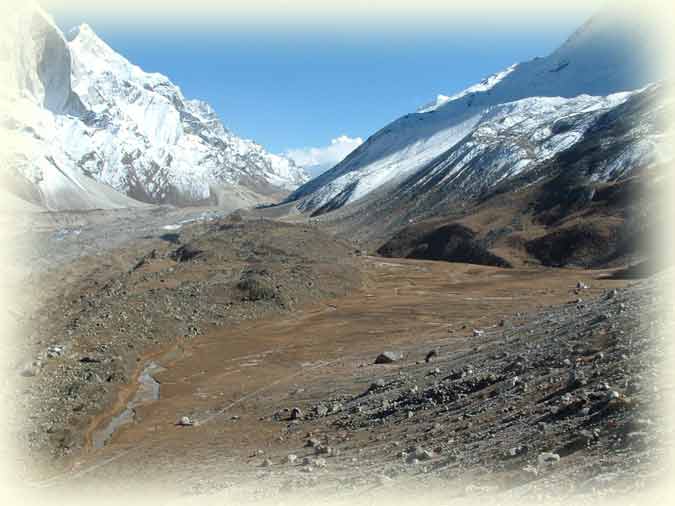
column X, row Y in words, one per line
column 232, row 381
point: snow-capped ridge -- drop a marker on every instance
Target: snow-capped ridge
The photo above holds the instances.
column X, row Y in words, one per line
column 604, row 57
column 484, row 85
column 432, row 106
column 91, row 115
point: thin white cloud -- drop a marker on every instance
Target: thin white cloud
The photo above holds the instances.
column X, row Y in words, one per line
column 318, row 160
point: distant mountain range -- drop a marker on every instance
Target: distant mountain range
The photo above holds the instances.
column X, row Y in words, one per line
column 506, row 125
column 554, row 161
column 88, row 129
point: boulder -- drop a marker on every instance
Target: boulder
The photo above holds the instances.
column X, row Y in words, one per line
column 388, row 357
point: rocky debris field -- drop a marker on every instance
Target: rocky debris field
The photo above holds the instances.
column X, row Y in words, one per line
column 84, row 338
column 550, row 401
column 48, row 241
column 567, row 399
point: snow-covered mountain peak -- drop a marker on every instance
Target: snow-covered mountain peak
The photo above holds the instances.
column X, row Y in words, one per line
column 94, row 117
column 603, row 57
column 95, row 58
column 35, row 68
column 83, row 30
column 614, row 23
column 86, row 42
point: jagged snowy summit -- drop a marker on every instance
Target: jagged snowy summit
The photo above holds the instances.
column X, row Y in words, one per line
column 89, row 116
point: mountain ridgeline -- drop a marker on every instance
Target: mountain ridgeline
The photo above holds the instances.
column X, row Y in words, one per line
column 480, row 164
column 91, row 130
column 503, row 126
column 523, row 167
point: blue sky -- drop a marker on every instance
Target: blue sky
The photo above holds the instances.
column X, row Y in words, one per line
column 301, row 90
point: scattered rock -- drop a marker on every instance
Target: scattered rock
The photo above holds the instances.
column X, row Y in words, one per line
column 612, row 395
column 422, row 454
column 378, row 384
column 55, row 351
column 325, row 450
column 90, row 360
column 576, row 379
column 548, row 459
column 312, row 442
column 531, row 471
column 507, row 324
column 388, row 357
column 516, row 451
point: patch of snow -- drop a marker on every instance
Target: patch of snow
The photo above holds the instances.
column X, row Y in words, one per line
column 432, row 106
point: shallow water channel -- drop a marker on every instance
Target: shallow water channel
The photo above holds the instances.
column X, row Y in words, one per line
column 148, row 391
